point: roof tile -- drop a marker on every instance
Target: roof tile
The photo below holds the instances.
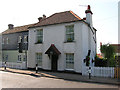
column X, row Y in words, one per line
column 57, row 18
column 17, row 29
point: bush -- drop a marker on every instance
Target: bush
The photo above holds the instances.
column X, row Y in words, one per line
column 100, row 62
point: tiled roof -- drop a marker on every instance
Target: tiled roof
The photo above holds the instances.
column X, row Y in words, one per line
column 57, row 18
column 17, row 29
column 53, row 49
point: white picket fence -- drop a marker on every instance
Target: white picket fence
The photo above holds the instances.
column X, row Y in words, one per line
column 99, row 71
column 18, row 65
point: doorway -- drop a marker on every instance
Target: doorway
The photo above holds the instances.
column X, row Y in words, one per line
column 54, row 62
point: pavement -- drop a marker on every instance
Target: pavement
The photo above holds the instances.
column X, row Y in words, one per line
column 65, row 76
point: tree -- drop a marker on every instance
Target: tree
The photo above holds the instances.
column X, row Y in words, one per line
column 109, row 52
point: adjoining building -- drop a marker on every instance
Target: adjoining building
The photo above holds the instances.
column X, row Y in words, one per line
column 15, row 46
column 62, row 42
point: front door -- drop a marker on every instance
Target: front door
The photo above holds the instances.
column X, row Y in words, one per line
column 54, row 63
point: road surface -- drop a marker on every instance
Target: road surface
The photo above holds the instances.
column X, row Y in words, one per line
column 14, row 80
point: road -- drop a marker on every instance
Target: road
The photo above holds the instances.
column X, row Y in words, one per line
column 14, row 80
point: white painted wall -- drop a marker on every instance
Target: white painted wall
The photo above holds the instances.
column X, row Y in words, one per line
column 89, row 19
column 55, row 34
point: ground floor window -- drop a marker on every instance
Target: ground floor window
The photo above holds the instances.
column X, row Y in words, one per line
column 39, row 59
column 24, row 58
column 19, row 58
column 5, row 57
column 69, row 61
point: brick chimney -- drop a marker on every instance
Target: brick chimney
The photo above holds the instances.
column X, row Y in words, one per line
column 89, row 15
column 10, row 26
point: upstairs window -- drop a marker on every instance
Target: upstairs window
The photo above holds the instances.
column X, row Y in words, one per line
column 7, row 41
column 39, row 36
column 3, row 41
column 19, row 39
column 70, row 33
column 25, row 39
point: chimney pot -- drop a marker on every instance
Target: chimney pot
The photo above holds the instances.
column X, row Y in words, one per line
column 44, row 16
column 40, row 18
column 10, row 26
column 88, row 7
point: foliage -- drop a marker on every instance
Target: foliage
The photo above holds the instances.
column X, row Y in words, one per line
column 100, row 62
column 109, row 52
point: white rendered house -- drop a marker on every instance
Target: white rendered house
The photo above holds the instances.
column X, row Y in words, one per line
column 61, row 42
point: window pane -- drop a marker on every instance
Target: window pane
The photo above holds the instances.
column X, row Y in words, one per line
column 19, row 57
column 19, row 39
column 39, row 36
column 70, row 33
column 70, row 61
column 25, row 39
column 39, row 59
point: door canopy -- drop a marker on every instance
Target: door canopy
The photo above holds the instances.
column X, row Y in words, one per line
column 52, row 50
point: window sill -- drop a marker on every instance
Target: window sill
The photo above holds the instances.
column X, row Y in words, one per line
column 19, row 61
column 25, row 42
column 39, row 66
column 69, row 69
column 69, row 41
column 39, row 43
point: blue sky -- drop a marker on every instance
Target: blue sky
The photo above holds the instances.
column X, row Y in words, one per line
column 23, row 12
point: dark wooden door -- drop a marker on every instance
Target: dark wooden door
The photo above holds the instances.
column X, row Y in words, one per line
column 54, row 63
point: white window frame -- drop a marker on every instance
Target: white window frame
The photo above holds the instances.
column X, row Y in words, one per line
column 69, row 59
column 39, row 59
column 40, row 36
column 3, row 41
column 19, row 39
column 24, row 57
column 19, row 58
column 7, row 40
column 25, row 38
column 6, row 57
column 70, row 34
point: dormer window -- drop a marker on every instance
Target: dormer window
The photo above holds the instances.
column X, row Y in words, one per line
column 39, row 36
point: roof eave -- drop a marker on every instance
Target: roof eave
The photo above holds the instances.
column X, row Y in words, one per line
column 52, row 24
